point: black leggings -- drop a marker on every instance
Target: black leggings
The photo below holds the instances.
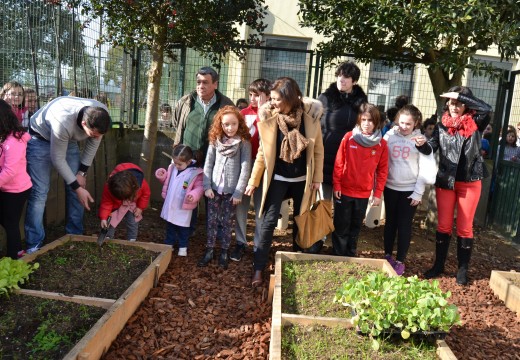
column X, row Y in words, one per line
column 399, row 219
column 277, row 192
column 11, row 207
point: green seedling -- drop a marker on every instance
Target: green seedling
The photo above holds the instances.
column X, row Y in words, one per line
column 14, row 272
column 408, row 305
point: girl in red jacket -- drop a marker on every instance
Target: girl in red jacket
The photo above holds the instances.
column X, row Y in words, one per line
column 125, row 196
column 361, row 167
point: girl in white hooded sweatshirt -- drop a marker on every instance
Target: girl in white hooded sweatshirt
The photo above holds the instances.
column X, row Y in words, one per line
column 409, row 172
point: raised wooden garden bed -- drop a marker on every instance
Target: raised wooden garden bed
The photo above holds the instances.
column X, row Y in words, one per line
column 506, row 285
column 98, row 339
column 281, row 319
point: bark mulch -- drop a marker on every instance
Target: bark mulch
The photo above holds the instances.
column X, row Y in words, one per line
column 209, row 313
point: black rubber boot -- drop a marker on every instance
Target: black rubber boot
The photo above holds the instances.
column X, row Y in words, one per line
column 206, row 259
column 296, row 247
column 464, row 248
column 442, row 245
column 223, row 259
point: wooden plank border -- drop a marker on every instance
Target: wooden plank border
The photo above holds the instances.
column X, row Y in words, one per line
column 85, row 300
column 505, row 289
column 99, row 338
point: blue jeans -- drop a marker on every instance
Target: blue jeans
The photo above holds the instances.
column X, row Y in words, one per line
column 132, row 227
column 176, row 233
column 39, row 167
column 241, row 218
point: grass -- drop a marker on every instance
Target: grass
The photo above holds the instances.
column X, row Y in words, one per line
column 320, row 343
column 308, row 287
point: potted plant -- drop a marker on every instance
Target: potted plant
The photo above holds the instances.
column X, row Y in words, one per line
column 406, row 305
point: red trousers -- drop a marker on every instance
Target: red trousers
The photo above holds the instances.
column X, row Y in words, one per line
column 465, row 197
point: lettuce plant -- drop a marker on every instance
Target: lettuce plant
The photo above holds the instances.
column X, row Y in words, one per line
column 13, row 272
column 409, row 305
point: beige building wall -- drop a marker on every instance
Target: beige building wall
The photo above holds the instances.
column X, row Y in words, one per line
column 283, row 22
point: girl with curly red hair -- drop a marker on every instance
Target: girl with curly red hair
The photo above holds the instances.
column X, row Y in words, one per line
column 226, row 172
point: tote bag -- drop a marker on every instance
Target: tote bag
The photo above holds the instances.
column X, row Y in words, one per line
column 314, row 223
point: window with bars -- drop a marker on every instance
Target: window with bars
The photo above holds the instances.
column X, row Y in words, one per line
column 291, row 62
column 387, row 82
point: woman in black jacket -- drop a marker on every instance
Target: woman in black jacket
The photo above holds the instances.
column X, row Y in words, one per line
column 461, row 167
column 341, row 102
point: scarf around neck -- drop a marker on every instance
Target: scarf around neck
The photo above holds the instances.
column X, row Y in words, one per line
column 366, row 140
column 293, row 142
column 228, row 147
column 464, row 124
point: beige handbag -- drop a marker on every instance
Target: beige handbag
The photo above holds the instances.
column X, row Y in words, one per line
column 314, row 223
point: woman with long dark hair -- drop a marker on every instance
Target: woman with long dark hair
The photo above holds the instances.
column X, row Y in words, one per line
column 457, row 138
column 290, row 160
column 15, row 183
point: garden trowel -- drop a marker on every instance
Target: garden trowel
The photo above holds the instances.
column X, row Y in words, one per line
column 103, row 234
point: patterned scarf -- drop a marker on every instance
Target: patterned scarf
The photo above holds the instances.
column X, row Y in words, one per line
column 228, row 147
column 464, row 124
column 293, row 142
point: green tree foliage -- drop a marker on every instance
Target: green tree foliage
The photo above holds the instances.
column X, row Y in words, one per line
column 113, row 70
column 114, row 66
column 86, row 77
column 41, row 15
column 442, row 34
column 158, row 25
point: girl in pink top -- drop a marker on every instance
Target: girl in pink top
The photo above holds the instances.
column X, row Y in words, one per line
column 15, row 183
column 13, row 93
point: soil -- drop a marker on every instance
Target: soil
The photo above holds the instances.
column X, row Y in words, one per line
column 36, row 328
column 210, row 313
column 83, row 268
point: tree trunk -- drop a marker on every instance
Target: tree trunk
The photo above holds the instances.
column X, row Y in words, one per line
column 154, row 86
column 441, row 82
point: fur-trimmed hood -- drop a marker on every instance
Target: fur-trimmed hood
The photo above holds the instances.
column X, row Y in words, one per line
column 336, row 99
column 312, row 107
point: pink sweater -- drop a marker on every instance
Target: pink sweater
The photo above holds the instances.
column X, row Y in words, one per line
column 13, row 164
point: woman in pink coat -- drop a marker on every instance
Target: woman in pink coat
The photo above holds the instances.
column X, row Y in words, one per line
column 15, row 183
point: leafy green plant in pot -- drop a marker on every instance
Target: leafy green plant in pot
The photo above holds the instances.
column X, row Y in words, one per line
column 385, row 304
column 13, row 272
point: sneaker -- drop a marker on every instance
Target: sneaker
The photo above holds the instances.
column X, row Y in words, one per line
column 399, row 268
column 32, row 250
column 238, row 252
column 390, row 259
column 21, row 253
column 132, row 240
column 183, row 252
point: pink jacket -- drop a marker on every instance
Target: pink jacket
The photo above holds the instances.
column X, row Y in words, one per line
column 195, row 187
column 13, row 165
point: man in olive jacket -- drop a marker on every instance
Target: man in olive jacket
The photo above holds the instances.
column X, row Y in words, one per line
column 193, row 113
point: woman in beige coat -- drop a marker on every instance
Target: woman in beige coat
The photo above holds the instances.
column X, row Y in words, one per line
column 290, row 160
